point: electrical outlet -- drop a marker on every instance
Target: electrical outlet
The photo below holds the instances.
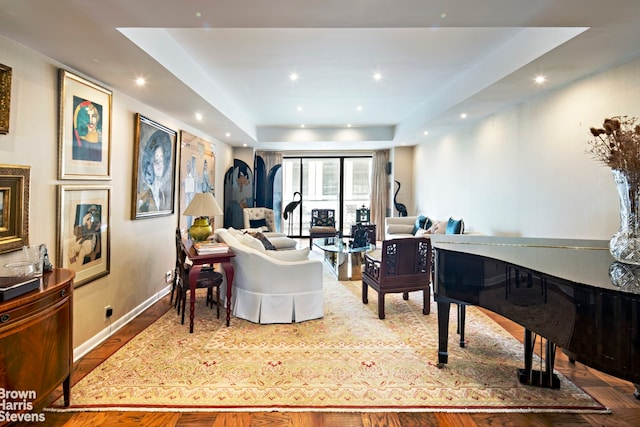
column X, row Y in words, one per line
column 168, row 276
column 108, row 311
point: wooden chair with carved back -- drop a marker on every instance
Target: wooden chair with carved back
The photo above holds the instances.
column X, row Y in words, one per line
column 401, row 266
column 323, row 224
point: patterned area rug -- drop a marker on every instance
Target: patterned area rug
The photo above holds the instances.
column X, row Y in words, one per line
column 347, row 361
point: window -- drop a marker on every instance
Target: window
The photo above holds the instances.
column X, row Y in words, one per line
column 339, row 183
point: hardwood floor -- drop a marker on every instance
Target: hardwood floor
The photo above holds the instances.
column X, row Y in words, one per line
column 612, row 392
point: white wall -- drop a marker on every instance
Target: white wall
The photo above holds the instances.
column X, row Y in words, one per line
column 142, row 251
column 402, row 171
column 526, row 171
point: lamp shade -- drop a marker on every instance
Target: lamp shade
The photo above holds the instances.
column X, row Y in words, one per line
column 203, row 204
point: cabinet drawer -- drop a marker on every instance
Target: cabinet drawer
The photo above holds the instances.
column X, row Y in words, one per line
column 35, row 306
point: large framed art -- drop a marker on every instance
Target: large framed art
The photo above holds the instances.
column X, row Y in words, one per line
column 154, row 169
column 84, row 230
column 84, row 129
column 197, row 171
column 14, row 207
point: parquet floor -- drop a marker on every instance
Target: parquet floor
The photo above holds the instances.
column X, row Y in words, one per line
column 614, row 393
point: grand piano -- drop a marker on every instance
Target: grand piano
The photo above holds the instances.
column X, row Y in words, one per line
column 570, row 292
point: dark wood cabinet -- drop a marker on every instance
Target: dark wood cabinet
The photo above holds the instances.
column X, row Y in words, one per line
column 371, row 232
column 36, row 350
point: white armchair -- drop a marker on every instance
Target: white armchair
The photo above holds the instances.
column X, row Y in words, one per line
column 264, row 219
column 259, row 218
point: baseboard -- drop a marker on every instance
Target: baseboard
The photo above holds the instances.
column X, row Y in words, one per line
column 97, row 339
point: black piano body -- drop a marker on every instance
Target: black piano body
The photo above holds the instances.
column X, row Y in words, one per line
column 571, row 292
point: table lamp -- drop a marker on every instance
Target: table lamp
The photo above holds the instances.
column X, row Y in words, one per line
column 201, row 207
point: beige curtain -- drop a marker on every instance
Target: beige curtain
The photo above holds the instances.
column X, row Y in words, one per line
column 379, row 191
column 271, row 158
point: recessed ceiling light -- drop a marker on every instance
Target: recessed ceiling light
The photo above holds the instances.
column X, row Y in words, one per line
column 348, row 125
column 227, row 134
column 302, row 125
column 426, row 132
column 540, row 79
column 294, row 77
column 299, row 108
column 140, row 81
column 198, row 116
column 377, row 76
column 463, row 115
column 359, row 108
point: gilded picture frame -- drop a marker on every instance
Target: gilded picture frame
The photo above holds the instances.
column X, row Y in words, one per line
column 84, row 134
column 154, row 169
column 84, row 231
column 197, row 171
column 14, row 207
column 5, row 98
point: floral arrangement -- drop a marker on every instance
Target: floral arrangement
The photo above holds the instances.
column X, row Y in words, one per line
column 617, row 144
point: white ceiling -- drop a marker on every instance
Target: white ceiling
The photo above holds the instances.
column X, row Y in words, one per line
column 229, row 60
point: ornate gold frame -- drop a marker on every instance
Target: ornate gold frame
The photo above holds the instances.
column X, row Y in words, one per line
column 5, row 98
column 148, row 133
column 14, row 207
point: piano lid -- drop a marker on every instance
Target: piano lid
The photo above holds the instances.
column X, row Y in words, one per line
column 587, row 262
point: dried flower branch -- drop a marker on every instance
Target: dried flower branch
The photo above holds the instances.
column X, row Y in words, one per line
column 617, row 144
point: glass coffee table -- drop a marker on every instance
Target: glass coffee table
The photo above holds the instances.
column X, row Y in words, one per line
column 344, row 260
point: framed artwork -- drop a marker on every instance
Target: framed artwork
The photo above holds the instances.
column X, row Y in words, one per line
column 84, row 231
column 5, row 98
column 154, row 169
column 14, row 207
column 197, row 171
column 84, row 132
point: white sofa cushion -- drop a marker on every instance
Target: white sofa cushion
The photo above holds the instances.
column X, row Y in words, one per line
column 400, row 228
column 292, row 255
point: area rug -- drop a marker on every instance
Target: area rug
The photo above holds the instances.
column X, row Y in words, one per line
column 347, row 361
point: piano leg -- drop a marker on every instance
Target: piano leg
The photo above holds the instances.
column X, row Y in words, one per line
column 443, row 333
column 533, row 377
column 462, row 310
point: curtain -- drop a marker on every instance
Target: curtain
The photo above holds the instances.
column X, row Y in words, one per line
column 379, row 191
column 271, row 159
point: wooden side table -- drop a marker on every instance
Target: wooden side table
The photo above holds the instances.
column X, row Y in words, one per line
column 36, row 348
column 224, row 259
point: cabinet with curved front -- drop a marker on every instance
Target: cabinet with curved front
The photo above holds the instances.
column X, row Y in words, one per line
column 36, row 350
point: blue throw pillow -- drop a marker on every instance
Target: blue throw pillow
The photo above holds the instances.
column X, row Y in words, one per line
column 454, row 226
column 258, row 223
column 421, row 222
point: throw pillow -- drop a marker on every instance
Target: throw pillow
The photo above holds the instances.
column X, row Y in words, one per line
column 325, row 222
column 421, row 232
column 259, row 223
column 419, row 223
column 267, row 244
column 438, row 227
column 301, row 254
column 454, row 226
column 252, row 242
